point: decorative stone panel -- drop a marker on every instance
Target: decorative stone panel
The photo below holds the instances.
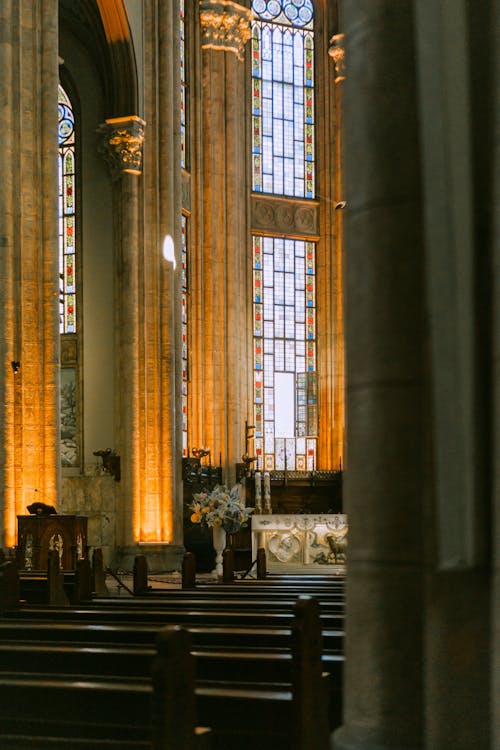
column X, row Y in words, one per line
column 278, row 216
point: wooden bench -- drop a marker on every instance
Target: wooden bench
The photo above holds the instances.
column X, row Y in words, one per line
column 142, row 587
column 38, row 712
column 246, row 713
column 53, row 586
column 203, row 636
column 173, row 615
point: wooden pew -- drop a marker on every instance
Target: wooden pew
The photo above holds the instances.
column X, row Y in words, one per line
column 219, row 679
column 9, row 584
column 306, row 584
column 38, row 712
column 172, row 615
column 54, row 586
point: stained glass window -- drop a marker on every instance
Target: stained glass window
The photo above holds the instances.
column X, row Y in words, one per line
column 285, row 397
column 183, row 81
column 284, row 299
column 67, row 238
column 184, row 302
column 283, row 97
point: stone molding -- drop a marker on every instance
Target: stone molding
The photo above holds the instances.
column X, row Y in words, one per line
column 225, row 25
column 337, row 53
column 279, row 216
column 122, row 142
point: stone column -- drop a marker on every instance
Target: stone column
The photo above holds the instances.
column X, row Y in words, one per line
column 148, row 302
column 220, row 358
column 122, row 141
column 456, row 46
column 168, row 228
column 384, row 483
column 29, row 275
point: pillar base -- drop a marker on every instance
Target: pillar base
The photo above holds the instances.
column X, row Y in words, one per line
column 161, row 558
column 347, row 738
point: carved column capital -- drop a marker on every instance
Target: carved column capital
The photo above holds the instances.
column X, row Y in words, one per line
column 337, row 52
column 225, row 25
column 121, row 145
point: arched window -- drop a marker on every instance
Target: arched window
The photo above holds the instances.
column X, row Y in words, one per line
column 184, row 229
column 68, row 301
column 67, row 271
column 284, row 299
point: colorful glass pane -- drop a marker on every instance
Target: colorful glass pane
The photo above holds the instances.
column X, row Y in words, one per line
column 284, row 342
column 184, row 333
column 67, row 239
column 182, row 52
column 298, row 13
column 282, row 98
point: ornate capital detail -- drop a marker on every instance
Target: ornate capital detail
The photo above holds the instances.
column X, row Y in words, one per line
column 337, row 52
column 225, row 25
column 121, row 145
column 278, row 216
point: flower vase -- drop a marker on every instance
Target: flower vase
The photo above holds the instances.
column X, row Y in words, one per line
column 219, row 542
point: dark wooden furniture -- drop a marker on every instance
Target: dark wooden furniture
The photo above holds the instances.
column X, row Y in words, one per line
column 38, row 535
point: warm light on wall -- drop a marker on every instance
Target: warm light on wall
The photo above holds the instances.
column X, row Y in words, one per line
column 169, row 250
column 153, row 521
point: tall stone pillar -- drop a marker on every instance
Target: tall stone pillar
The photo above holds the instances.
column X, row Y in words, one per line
column 29, row 270
column 122, row 148
column 147, row 208
column 220, row 358
column 385, row 481
column 456, row 47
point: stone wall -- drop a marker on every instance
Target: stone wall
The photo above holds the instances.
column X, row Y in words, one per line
column 95, row 497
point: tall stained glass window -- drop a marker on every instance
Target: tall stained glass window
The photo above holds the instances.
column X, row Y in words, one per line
column 284, row 299
column 183, row 81
column 283, row 97
column 184, row 232
column 184, row 301
column 67, row 270
column 70, row 433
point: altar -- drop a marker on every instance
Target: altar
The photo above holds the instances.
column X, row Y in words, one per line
column 302, row 542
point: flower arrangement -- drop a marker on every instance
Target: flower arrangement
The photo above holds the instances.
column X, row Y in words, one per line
column 220, row 507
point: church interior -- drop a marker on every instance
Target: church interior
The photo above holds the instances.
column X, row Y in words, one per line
column 250, row 259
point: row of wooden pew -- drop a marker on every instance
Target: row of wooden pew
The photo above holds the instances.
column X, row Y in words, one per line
column 254, row 661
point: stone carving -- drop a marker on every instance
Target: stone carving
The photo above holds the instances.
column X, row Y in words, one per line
column 284, row 216
column 305, row 220
column 285, row 547
column 337, row 52
column 225, row 25
column 122, row 142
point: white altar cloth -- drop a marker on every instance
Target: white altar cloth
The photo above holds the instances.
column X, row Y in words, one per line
column 301, row 541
